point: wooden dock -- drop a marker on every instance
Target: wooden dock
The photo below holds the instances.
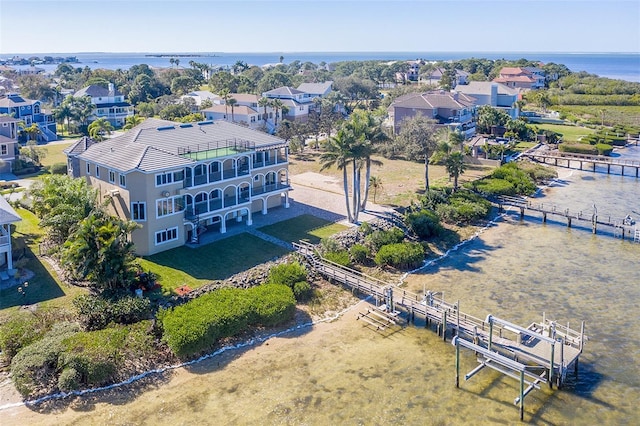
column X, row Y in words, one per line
column 548, row 348
column 617, row 226
column 566, row 160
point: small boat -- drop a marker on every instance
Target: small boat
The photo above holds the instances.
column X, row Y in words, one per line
column 628, row 220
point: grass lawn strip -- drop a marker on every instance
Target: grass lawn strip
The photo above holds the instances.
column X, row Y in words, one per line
column 210, row 262
column 304, row 227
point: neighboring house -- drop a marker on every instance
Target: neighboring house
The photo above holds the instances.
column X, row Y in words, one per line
column 29, row 111
column 298, row 102
column 493, row 94
column 201, row 95
column 9, row 131
column 108, row 103
column 178, row 180
column 316, row 90
column 8, row 216
column 240, row 114
column 72, row 152
column 454, row 110
column 521, row 78
column 434, row 77
column 246, row 111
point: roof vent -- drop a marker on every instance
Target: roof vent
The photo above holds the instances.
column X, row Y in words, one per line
column 166, row 128
column 204, row 123
column 186, row 125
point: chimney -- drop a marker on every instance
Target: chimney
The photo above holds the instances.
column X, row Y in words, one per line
column 111, row 88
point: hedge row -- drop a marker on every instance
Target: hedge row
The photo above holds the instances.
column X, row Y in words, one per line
column 400, row 255
column 196, row 326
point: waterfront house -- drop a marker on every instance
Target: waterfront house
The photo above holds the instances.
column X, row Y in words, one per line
column 108, row 103
column 454, row 110
column 29, row 112
column 521, row 78
column 178, row 180
column 298, row 102
column 9, row 131
column 494, row 94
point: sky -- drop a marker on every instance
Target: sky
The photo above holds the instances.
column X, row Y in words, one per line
column 74, row 26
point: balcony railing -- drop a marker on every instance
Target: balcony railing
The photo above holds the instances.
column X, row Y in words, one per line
column 259, row 190
column 4, row 240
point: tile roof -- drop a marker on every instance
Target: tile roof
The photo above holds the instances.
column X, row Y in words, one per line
column 15, row 100
column 515, row 78
column 96, row 91
column 315, row 88
column 284, row 90
column 484, row 88
column 238, row 109
column 244, row 97
column 149, row 147
column 8, row 119
column 6, row 139
column 434, row 100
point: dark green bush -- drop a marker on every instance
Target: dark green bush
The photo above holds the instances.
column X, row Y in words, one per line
column 69, row 379
column 424, row 223
column 464, row 208
column 359, row 253
column 302, row 291
column 365, row 228
column 96, row 312
column 195, row 326
column 287, row 274
column 491, row 186
column 36, row 365
column 58, row 169
column 604, row 149
column 578, row 148
column 341, row 257
column 21, row 330
column 401, row 255
column 380, row 238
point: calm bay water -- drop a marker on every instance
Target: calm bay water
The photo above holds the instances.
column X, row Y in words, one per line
column 625, row 66
column 345, row 373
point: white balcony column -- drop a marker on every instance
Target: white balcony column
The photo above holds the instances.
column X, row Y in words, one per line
column 239, row 216
column 223, row 224
column 286, row 200
column 264, row 206
column 249, row 218
column 7, row 232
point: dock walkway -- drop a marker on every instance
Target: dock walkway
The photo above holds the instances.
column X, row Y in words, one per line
column 566, row 160
column 548, row 348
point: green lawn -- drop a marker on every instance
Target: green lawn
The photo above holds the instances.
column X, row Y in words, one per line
column 54, row 153
column 210, row 262
column 569, row 133
column 303, row 227
column 44, row 286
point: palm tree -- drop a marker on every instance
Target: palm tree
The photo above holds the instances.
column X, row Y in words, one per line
column 63, row 113
column 277, row 105
column 455, row 167
column 232, row 102
column 338, row 152
column 172, row 61
column 132, row 121
column 32, row 131
column 98, row 128
column 376, row 183
column 264, row 103
column 224, row 94
column 367, row 129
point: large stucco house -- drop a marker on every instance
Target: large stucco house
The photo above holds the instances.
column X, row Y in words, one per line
column 494, row 94
column 454, row 110
column 521, row 77
column 29, row 112
column 178, row 180
column 108, row 103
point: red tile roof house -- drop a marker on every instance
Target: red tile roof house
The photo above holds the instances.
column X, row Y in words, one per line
column 455, row 110
column 521, row 78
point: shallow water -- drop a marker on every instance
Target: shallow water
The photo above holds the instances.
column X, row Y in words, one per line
column 345, row 373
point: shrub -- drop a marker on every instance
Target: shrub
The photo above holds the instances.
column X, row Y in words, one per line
column 195, row 326
column 96, row 312
column 378, row 239
column 341, row 257
column 287, row 274
column 401, row 255
column 302, row 291
column 604, row 149
column 359, row 253
column 494, row 187
column 21, row 330
column 464, row 207
column 36, row 366
column 69, row 379
column 365, row 228
column 58, row 169
column 424, row 223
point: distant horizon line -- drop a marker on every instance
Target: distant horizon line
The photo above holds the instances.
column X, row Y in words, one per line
column 328, row 52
